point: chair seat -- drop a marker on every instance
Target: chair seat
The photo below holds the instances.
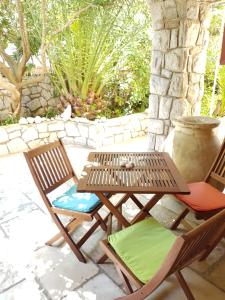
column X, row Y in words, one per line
column 143, row 247
column 203, row 197
column 83, row 202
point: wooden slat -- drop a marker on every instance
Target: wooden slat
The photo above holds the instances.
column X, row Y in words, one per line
column 154, row 172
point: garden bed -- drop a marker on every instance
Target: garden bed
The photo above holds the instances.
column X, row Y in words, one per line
column 102, row 132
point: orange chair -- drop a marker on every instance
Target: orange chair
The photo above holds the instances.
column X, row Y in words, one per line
column 206, row 197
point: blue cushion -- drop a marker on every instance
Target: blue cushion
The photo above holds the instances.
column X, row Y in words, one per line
column 83, row 202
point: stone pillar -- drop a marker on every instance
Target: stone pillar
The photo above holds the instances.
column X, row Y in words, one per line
column 179, row 45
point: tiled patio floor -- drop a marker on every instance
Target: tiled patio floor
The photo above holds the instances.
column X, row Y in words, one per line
column 31, row 270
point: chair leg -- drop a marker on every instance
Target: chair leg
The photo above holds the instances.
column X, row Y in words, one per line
column 71, row 226
column 125, row 280
column 68, row 239
column 102, row 222
column 179, row 219
column 184, row 286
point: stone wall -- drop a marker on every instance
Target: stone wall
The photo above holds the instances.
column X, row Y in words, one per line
column 36, row 99
column 36, row 131
column 179, row 47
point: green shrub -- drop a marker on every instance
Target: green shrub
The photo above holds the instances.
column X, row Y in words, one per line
column 9, row 120
column 101, row 63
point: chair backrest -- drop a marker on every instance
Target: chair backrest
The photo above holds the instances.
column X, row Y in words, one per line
column 197, row 243
column 216, row 175
column 49, row 166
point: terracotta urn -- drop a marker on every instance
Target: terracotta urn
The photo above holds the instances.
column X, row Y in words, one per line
column 194, row 146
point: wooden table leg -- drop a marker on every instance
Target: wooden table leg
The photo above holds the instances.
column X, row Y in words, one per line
column 145, row 210
column 113, row 209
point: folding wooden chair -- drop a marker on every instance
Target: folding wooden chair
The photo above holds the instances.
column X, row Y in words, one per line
column 206, row 198
column 146, row 253
column 50, row 168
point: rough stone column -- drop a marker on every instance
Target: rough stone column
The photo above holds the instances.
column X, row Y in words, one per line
column 179, row 45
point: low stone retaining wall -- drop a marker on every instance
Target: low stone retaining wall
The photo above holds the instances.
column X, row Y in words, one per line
column 36, row 99
column 21, row 137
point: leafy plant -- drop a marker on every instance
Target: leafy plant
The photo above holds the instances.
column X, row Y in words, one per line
column 102, row 60
column 9, row 120
column 51, row 113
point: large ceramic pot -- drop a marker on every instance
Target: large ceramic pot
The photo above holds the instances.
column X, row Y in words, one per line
column 195, row 146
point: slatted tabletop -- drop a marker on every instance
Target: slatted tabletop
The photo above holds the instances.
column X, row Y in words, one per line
column 153, row 172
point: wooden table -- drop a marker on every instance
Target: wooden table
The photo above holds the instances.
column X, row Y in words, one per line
column 153, row 173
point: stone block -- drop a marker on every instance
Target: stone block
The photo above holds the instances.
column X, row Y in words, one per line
column 3, row 150
column 40, row 112
column 144, row 124
column 17, row 145
column 176, row 60
column 56, row 126
column 14, row 134
column 34, row 104
column 179, row 85
column 151, row 141
column 23, row 121
column 37, row 120
column 205, row 12
column 157, row 62
column 161, row 40
column 25, row 99
column 159, row 85
column 34, row 90
column 26, row 92
column 83, row 130
column 43, row 101
column 47, row 79
column 61, row 134
column 173, row 23
column 188, row 33
column 157, row 15
column 192, row 10
column 52, row 137
column 156, row 126
column 46, row 94
column 80, row 141
column 166, row 73
column 153, row 106
column 189, row 64
column 193, row 92
column 159, row 142
column 3, row 136
column 170, row 9
column 53, row 102
column 166, row 130
column 13, row 127
column 178, row 107
column 165, row 107
column 43, row 135
column 43, row 85
column 71, row 129
column 2, row 104
column 35, row 143
column 199, row 61
column 33, row 96
column 68, row 140
column 30, row 134
column 42, row 127
column 174, row 38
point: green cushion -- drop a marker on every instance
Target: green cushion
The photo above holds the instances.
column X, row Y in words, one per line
column 143, row 247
